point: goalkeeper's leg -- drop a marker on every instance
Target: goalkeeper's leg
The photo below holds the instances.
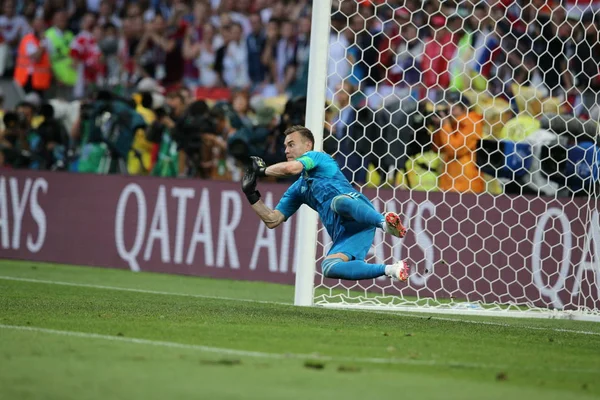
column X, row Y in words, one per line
column 363, row 212
column 336, row 267
column 345, row 259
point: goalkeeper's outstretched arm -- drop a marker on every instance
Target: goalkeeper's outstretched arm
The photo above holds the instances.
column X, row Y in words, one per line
column 271, row 218
column 286, row 168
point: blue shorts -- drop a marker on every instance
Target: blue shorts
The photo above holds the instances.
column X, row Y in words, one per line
column 352, row 238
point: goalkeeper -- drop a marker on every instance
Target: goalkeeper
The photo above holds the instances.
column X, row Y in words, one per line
column 348, row 216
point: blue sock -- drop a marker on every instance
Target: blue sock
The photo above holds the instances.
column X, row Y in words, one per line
column 348, row 207
column 351, row 270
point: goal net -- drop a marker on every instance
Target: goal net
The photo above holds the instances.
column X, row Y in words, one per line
column 477, row 122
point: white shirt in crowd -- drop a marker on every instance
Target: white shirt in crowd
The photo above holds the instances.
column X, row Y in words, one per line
column 205, row 63
column 338, row 66
column 235, row 65
column 13, row 28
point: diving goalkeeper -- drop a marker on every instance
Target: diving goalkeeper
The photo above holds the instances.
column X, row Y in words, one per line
column 348, row 216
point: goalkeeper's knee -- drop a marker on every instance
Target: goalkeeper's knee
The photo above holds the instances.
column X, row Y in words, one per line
column 328, row 264
column 342, row 204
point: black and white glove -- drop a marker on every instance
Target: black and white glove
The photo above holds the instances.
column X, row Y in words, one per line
column 258, row 165
column 249, row 186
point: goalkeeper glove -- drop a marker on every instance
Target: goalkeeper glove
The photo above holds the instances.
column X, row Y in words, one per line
column 249, row 186
column 259, row 166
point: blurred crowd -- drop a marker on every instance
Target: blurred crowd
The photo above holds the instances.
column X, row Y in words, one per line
column 466, row 95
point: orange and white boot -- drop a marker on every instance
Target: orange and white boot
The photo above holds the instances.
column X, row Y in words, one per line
column 400, row 270
column 393, row 225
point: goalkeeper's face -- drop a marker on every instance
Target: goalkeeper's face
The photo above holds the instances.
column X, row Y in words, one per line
column 296, row 145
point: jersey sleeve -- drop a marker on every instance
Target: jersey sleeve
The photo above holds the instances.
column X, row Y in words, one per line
column 290, row 202
column 310, row 160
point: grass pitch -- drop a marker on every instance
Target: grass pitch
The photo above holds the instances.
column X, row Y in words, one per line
column 87, row 333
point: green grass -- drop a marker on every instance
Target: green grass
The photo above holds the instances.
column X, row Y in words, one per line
column 305, row 353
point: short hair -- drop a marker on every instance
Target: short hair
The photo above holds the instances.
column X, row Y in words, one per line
column 303, row 131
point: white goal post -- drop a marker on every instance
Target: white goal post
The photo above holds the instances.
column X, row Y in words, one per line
column 503, row 220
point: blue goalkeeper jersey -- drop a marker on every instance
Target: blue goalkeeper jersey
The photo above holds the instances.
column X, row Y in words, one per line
column 320, row 181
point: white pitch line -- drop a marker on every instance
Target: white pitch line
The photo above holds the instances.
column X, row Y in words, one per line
column 242, row 353
column 201, row 296
column 537, row 328
column 283, row 356
column 420, row 316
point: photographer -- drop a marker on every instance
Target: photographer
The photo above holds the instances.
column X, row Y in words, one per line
column 215, row 161
column 423, row 163
column 252, row 140
column 13, row 142
column 293, row 114
column 170, row 122
column 193, row 144
column 53, row 141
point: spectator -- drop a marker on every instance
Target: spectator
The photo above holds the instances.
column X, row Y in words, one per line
column 109, row 46
column 191, row 44
column 338, row 67
column 228, row 7
column 30, row 11
column 299, row 65
column 151, row 11
column 204, row 55
column 50, row 8
column 240, row 101
column 439, row 50
column 346, row 130
column 59, row 42
column 231, row 63
column 76, row 14
column 132, row 33
column 87, row 57
column 256, row 42
column 174, row 64
column 159, row 52
column 33, row 71
column 107, row 14
column 407, row 56
column 284, row 57
column 586, row 66
column 298, row 9
column 268, row 54
column 355, row 52
column 390, row 48
column 487, row 51
column 12, row 28
column 457, row 141
column 274, row 13
column 552, row 49
column 369, row 41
